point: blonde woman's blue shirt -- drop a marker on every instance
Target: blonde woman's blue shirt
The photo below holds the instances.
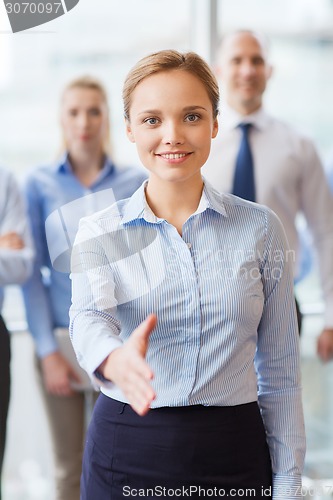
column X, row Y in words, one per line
column 56, row 200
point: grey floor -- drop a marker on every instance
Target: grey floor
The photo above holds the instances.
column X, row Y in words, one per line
column 28, row 467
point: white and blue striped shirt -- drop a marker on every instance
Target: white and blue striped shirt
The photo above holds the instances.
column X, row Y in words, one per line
column 223, row 295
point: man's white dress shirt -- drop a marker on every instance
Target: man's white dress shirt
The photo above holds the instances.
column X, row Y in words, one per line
column 289, row 179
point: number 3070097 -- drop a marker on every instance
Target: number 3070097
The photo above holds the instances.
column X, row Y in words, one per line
column 32, row 8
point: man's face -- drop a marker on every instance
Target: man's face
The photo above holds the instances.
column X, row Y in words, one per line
column 244, row 71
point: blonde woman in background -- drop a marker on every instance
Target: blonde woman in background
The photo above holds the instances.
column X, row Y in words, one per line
column 58, row 195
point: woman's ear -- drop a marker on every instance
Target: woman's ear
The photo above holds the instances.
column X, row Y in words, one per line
column 215, row 128
column 129, row 130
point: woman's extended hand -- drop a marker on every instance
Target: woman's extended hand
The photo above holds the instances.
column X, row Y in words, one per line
column 127, row 367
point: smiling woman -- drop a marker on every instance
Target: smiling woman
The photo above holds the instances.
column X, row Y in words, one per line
column 172, row 122
column 197, row 360
column 171, row 107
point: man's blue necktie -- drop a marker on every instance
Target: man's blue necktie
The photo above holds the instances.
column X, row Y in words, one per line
column 244, row 175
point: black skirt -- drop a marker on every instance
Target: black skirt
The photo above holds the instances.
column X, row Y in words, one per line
column 194, row 451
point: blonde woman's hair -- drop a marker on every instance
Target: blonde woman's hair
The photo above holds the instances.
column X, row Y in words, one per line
column 166, row 60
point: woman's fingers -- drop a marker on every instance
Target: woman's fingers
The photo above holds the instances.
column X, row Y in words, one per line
column 127, row 367
column 140, row 336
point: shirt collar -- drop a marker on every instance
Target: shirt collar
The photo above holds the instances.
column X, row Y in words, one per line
column 65, row 166
column 138, row 208
column 230, row 118
column 211, row 199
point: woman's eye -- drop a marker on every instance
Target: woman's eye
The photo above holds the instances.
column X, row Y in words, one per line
column 94, row 112
column 192, row 118
column 151, row 121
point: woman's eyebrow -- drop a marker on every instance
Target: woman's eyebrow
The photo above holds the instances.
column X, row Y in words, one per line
column 187, row 108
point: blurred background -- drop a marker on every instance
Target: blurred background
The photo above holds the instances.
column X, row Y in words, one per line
column 104, row 38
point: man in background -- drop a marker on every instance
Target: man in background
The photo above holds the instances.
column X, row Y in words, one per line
column 258, row 157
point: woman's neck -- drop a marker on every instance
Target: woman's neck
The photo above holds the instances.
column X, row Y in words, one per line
column 174, row 202
column 86, row 165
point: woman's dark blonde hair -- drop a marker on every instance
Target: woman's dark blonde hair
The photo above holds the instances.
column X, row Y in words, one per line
column 166, row 60
column 90, row 83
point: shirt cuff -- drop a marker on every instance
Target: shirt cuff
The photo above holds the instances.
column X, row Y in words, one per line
column 99, row 380
column 328, row 313
column 286, row 487
column 92, row 364
column 45, row 346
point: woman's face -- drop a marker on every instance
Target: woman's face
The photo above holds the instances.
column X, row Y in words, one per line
column 172, row 123
column 84, row 120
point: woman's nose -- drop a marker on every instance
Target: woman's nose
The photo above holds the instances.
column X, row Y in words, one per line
column 83, row 119
column 173, row 135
